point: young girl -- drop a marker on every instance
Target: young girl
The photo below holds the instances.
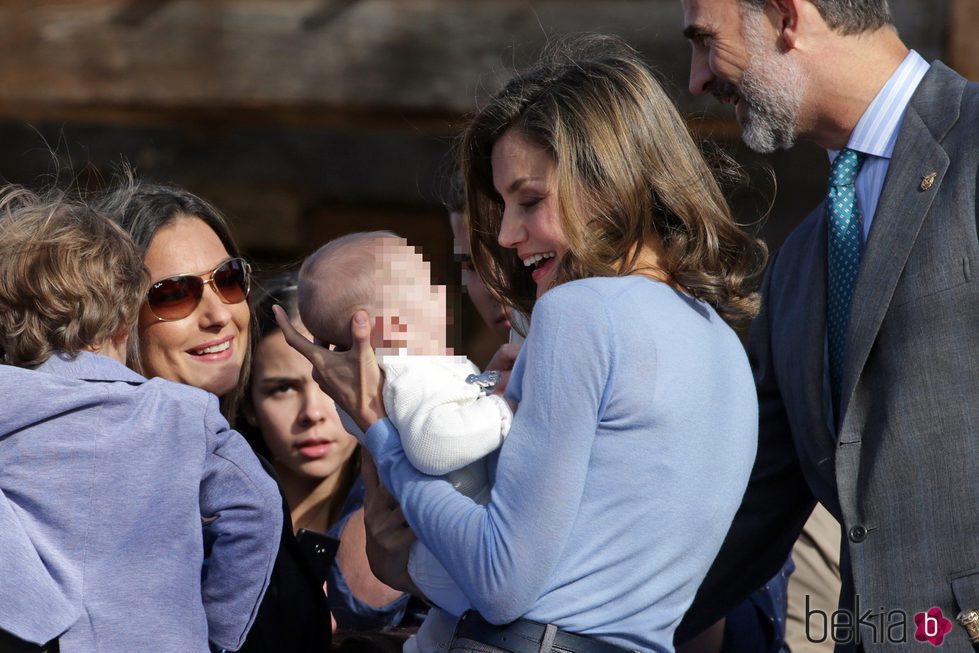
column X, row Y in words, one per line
column 592, row 209
column 292, row 423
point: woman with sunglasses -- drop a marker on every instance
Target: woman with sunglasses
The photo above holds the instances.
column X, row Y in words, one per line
column 195, row 328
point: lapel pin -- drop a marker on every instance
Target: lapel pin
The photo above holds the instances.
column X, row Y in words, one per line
column 928, row 180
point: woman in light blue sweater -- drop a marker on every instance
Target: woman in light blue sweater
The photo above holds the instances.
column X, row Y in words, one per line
column 593, row 210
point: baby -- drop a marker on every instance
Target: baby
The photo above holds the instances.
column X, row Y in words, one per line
column 110, row 483
column 448, row 419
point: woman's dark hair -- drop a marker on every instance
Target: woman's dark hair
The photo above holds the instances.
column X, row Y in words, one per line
column 281, row 289
column 143, row 208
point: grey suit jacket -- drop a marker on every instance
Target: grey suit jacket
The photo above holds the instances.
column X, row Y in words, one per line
column 105, row 478
column 903, row 474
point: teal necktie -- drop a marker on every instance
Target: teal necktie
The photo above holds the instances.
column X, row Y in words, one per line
column 845, row 222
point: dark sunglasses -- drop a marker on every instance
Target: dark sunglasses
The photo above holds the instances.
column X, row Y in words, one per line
column 174, row 298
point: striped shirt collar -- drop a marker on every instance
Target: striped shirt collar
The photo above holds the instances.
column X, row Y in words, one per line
column 876, row 132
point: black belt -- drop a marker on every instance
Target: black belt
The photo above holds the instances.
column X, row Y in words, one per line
column 525, row 636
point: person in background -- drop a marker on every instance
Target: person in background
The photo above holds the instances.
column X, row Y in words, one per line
column 295, row 425
column 109, row 482
column 495, row 314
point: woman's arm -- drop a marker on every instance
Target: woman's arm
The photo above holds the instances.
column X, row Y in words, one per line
column 358, row 597
column 353, row 562
column 503, row 555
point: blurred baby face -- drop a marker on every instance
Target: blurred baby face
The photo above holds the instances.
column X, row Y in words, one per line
column 409, row 313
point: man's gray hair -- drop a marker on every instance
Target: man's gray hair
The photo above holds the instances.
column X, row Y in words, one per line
column 846, row 16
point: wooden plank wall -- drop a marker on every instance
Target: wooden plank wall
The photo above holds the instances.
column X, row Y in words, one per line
column 304, row 119
column 963, row 47
column 344, row 62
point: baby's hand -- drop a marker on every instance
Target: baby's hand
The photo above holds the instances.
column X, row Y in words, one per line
column 502, row 362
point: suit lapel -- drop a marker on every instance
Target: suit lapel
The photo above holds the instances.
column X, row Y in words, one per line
column 904, row 203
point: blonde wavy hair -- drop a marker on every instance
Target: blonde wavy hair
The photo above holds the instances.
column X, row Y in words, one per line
column 70, row 279
column 627, row 171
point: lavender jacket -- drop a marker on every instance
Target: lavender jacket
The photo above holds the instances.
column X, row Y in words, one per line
column 105, row 481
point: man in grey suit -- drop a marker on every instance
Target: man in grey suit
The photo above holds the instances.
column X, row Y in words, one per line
column 866, row 354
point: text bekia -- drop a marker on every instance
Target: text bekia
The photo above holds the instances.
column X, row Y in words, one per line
column 879, row 626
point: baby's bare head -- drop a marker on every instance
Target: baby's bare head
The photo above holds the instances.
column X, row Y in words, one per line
column 378, row 272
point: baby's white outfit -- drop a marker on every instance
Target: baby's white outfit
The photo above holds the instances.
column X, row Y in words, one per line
column 448, row 425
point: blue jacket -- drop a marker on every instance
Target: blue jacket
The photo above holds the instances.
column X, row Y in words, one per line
column 105, row 481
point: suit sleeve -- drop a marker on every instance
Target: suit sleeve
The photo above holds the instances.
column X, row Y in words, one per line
column 776, row 503
column 242, row 512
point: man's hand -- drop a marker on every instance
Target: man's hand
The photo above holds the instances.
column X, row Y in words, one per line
column 352, row 378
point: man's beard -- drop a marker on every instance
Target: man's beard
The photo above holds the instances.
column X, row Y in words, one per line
column 771, row 89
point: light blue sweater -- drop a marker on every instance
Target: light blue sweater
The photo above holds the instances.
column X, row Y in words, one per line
column 627, row 459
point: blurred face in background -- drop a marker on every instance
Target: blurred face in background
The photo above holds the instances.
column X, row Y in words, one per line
column 496, row 316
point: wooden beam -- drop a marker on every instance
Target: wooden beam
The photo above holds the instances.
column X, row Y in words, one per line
column 369, row 55
column 963, row 46
column 328, row 62
column 390, row 167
